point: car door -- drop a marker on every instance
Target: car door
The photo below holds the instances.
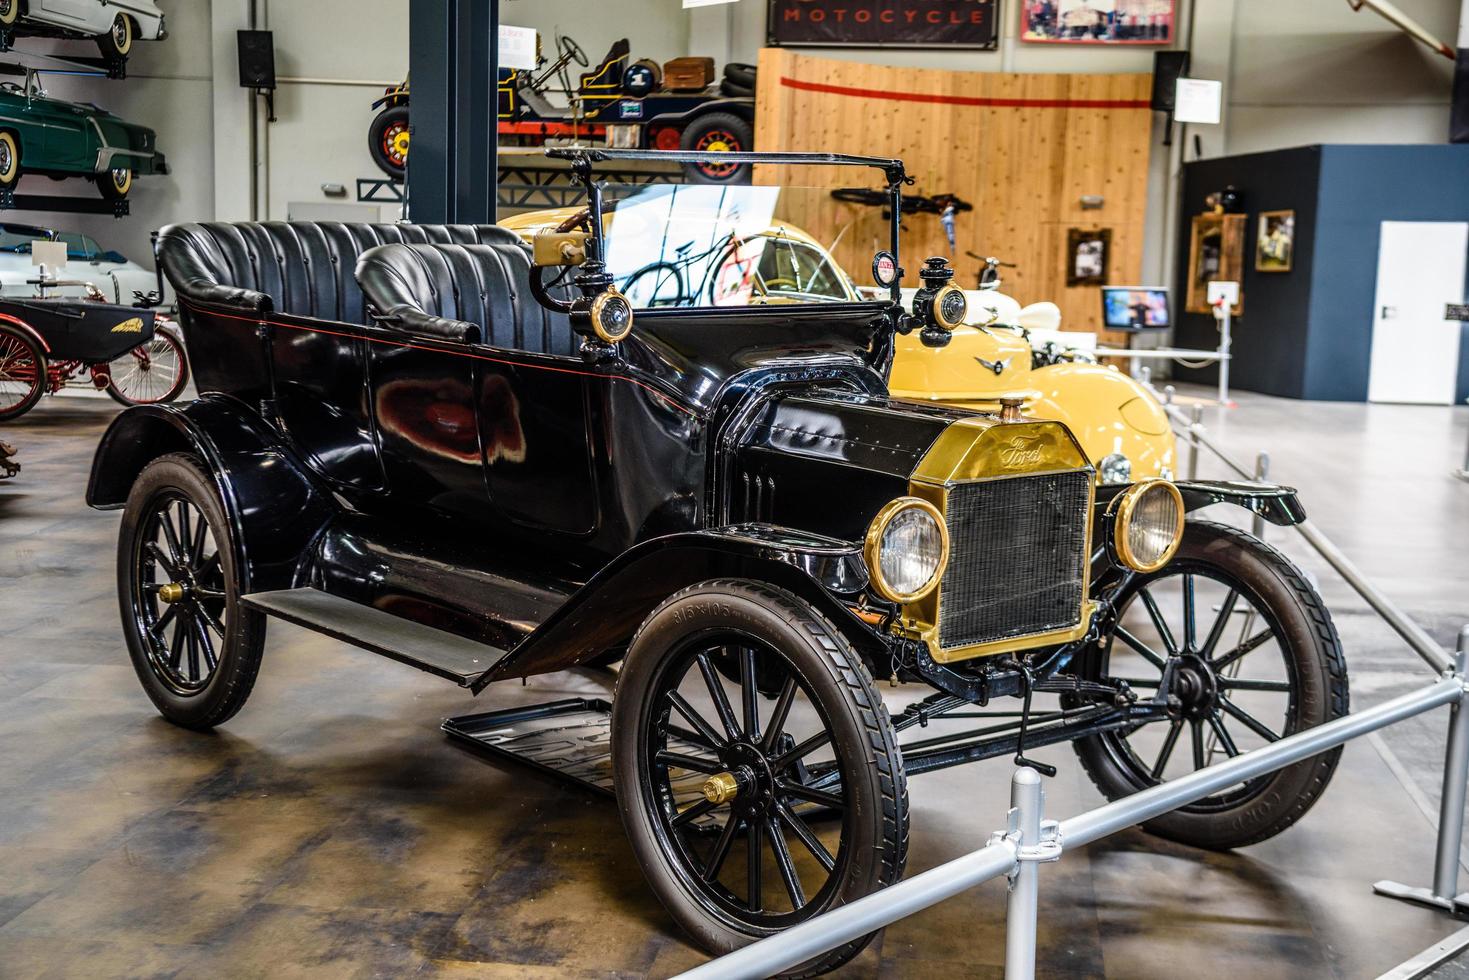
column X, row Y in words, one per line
column 77, row 14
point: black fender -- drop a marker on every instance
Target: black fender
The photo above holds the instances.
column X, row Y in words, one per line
column 274, row 505
column 1278, row 505
column 742, row 106
column 603, row 614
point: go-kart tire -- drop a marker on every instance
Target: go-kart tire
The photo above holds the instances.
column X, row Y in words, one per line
column 22, row 372
column 718, row 130
column 1316, row 678
column 214, row 697
column 821, row 666
column 738, row 73
column 389, row 119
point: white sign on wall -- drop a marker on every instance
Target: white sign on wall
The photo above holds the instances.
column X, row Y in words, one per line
column 517, row 47
column 1197, row 100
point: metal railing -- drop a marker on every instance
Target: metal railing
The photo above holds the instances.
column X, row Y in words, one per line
column 1029, row 840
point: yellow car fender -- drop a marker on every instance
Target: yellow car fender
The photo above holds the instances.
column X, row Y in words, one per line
column 1108, row 412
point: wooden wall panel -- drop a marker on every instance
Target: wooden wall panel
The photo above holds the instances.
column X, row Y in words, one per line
column 1022, row 148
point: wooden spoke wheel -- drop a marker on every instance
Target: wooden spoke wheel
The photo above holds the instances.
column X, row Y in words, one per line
column 151, row 373
column 22, row 372
column 757, row 803
column 195, row 648
column 1242, row 648
column 388, row 139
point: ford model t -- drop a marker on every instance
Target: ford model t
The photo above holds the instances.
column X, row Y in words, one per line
column 478, row 458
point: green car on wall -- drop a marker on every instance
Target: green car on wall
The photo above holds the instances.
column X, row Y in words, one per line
column 42, row 135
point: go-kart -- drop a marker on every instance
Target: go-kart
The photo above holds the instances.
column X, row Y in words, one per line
column 133, row 354
column 481, row 459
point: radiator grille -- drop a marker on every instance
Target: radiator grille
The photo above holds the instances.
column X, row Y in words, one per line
column 1018, row 558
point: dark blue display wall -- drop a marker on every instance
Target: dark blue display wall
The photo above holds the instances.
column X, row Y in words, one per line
column 1307, row 333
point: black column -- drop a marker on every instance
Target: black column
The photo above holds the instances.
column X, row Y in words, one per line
column 452, row 57
column 1459, row 111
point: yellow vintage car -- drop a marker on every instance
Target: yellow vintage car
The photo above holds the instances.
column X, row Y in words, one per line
column 1120, row 425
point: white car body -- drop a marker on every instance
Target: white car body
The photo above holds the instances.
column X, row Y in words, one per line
column 93, row 17
column 87, row 263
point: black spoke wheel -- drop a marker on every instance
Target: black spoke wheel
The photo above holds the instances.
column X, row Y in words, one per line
column 1242, row 649
column 195, row 648
column 150, row 374
column 756, row 769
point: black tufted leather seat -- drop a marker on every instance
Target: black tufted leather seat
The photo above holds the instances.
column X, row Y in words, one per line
column 304, row 268
column 464, row 292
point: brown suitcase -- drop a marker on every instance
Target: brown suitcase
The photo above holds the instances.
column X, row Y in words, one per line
column 688, row 74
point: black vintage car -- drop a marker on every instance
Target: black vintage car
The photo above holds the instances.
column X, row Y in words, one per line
column 478, row 459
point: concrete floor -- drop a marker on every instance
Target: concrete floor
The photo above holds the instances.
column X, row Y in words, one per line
column 329, row 830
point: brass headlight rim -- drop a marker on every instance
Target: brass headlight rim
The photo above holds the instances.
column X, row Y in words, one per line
column 1125, row 504
column 872, row 548
column 938, row 308
column 599, row 307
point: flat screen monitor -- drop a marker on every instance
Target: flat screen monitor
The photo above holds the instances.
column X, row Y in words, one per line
column 1135, row 307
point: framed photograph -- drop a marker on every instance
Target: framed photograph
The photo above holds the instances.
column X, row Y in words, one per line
column 1086, row 256
column 1275, row 242
column 1216, row 251
column 1097, row 21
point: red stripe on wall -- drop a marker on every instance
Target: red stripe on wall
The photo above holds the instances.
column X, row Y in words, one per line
column 874, row 93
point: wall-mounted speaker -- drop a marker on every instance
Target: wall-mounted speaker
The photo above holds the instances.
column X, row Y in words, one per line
column 1168, row 67
column 257, row 59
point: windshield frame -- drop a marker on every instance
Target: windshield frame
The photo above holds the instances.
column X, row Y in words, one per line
column 583, row 162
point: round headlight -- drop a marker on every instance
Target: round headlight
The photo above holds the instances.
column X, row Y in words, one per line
column 1149, row 525
column 1115, row 468
column 906, row 550
column 612, row 316
column 950, row 307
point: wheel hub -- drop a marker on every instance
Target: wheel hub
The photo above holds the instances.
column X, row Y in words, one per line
column 1196, row 686
column 752, row 778
column 172, row 592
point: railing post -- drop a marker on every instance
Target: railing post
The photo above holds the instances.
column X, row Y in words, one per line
column 1026, row 799
column 1445, row 892
column 1196, row 420
column 1262, row 475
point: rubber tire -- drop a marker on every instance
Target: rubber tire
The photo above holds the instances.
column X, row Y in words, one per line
column 740, row 73
column 382, row 121
column 1322, row 694
column 239, row 656
column 178, row 386
column 8, row 20
column 108, row 45
column 39, row 388
column 839, row 679
column 730, row 90
column 14, row 141
column 108, row 188
column 739, row 128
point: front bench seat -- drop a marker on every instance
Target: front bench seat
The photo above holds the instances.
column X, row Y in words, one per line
column 301, row 268
column 467, row 293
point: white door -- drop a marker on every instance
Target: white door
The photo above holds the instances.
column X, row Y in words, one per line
column 1415, row 351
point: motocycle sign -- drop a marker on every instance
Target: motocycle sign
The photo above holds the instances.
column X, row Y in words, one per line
column 884, row 23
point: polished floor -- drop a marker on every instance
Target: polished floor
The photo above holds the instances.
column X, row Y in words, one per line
column 329, row 830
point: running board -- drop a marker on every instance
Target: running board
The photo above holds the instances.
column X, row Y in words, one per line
column 446, row 654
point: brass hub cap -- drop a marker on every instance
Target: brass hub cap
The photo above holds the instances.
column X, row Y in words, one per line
column 171, row 592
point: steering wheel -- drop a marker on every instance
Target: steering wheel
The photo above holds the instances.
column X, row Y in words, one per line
column 581, row 219
column 570, row 49
column 782, row 282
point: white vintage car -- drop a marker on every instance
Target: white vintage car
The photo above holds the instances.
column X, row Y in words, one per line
column 87, row 263
column 115, row 24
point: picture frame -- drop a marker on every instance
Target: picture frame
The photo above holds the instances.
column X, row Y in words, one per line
column 1123, row 22
column 1086, row 256
column 1216, row 252
column 1275, row 241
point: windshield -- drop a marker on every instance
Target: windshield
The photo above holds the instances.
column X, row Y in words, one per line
column 18, row 238
column 691, row 245
column 78, row 246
